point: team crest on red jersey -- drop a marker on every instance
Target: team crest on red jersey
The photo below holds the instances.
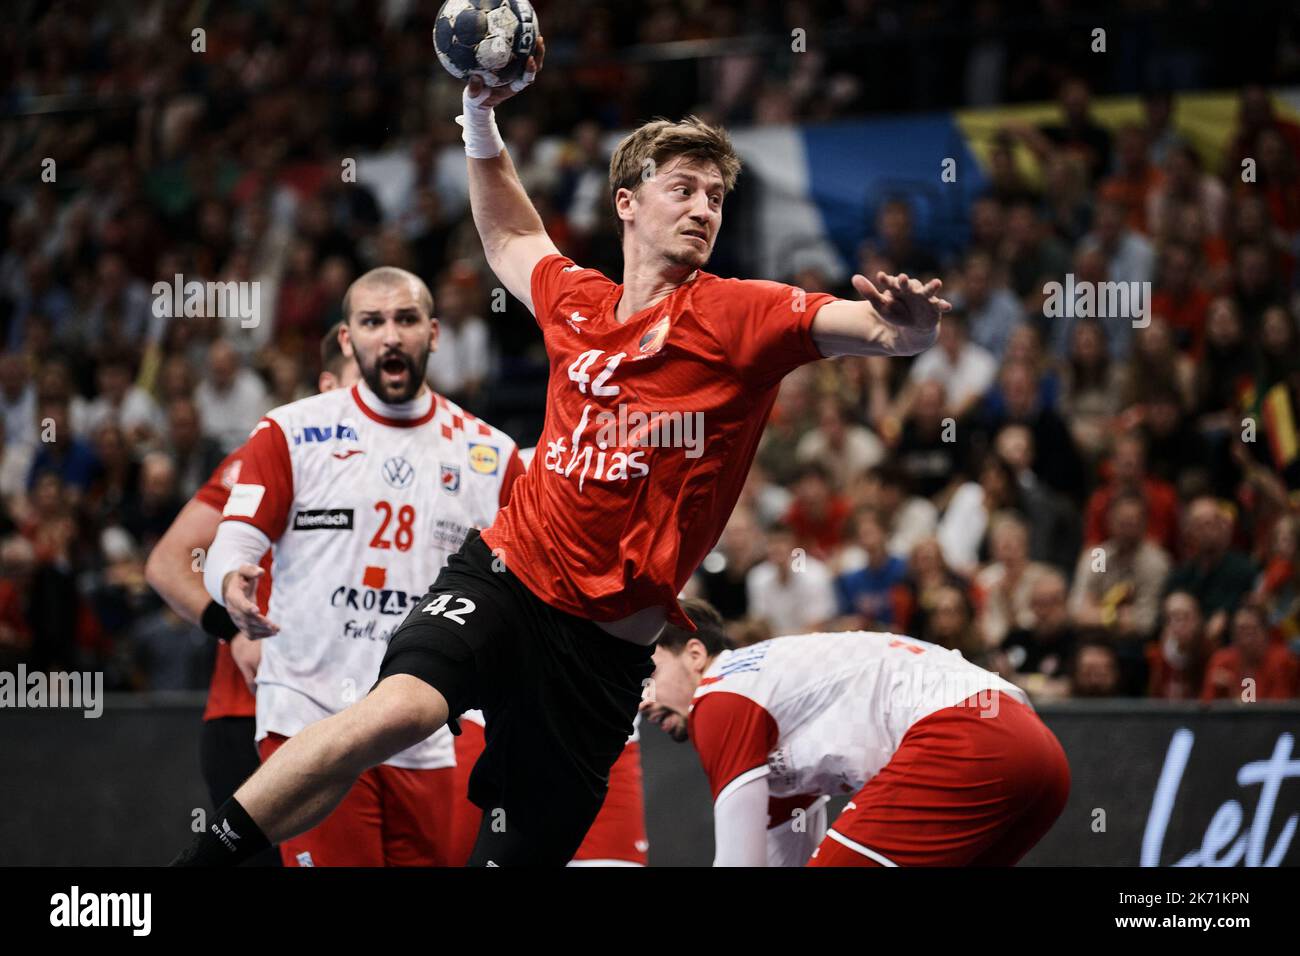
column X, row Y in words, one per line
column 654, row 339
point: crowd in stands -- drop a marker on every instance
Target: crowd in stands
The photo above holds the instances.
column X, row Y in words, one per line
column 1092, row 506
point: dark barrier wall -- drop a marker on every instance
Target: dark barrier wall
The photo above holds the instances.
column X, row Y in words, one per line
column 1151, row 784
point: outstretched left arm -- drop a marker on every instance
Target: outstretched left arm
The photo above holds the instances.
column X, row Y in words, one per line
column 899, row 316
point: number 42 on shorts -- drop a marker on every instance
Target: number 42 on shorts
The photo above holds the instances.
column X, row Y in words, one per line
column 439, row 606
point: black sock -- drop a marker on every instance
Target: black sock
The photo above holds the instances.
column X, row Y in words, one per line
column 231, row 839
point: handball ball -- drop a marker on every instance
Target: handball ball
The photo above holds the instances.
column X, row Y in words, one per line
column 489, row 38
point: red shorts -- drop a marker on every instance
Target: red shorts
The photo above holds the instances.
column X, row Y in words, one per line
column 961, row 790
column 391, row 817
column 618, row 836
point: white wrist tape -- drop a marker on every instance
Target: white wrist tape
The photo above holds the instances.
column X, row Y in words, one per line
column 482, row 138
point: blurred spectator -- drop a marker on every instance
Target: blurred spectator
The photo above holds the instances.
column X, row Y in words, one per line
column 927, row 573
column 1056, row 459
column 120, row 402
column 1117, row 584
column 17, row 565
column 963, row 368
column 1184, row 183
column 992, row 310
column 1176, row 451
column 1076, row 134
column 818, row 515
column 906, row 518
column 66, row 455
column 1176, row 659
column 966, row 519
column 721, row 577
column 868, row 597
column 1251, row 668
column 845, row 449
column 1180, row 299
column 1278, row 588
column 949, row 622
column 17, row 400
column 1038, row 657
column 1157, row 366
column 1215, row 574
column 894, row 247
column 1003, row 588
column 791, row 591
column 1095, row 671
column 1135, row 177
column 148, row 514
column 1130, row 258
column 1090, row 389
column 231, row 398
column 195, row 454
column 1128, row 475
column 1032, row 255
column 1054, row 528
column 15, row 465
column 460, row 365
column 932, row 451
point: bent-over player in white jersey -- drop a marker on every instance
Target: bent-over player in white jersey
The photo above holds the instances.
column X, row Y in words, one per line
column 948, row 764
column 361, row 494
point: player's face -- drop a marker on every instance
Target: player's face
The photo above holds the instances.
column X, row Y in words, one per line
column 668, row 699
column 679, row 211
column 391, row 336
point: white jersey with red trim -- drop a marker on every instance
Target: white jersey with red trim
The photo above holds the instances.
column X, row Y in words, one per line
column 823, row 713
column 363, row 510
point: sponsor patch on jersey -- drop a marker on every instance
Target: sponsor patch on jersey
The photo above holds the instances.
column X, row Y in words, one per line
column 449, row 478
column 398, row 472
column 323, row 519
column 243, row 501
column 484, row 459
column 322, row 433
column 654, row 339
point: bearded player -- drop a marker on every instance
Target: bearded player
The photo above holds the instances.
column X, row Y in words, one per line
column 948, row 764
column 227, row 749
column 361, row 495
column 546, row 621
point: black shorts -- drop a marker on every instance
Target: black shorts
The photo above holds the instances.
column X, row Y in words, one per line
column 559, row 695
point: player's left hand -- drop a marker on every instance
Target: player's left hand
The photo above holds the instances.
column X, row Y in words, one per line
column 911, row 308
column 247, row 656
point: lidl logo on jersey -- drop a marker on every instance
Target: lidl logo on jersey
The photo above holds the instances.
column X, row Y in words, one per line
column 309, row 434
column 484, row 459
column 449, row 478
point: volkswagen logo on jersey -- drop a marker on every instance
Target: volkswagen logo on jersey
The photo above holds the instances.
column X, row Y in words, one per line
column 398, row 472
column 449, row 478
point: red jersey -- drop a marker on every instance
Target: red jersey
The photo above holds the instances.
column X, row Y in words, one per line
column 651, row 426
column 228, row 694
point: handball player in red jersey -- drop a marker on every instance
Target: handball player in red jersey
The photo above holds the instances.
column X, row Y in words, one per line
column 546, row 621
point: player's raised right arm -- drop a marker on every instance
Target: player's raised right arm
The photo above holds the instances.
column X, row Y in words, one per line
column 513, row 237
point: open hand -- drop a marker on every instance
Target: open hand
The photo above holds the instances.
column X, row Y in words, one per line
column 240, row 591
column 913, row 309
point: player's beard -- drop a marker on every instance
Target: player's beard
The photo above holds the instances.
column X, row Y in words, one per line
column 373, row 373
column 689, row 255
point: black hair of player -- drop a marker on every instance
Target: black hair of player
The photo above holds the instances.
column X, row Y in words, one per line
column 709, row 629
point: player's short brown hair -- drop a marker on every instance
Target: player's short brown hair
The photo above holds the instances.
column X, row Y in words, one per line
column 709, row 629
column 331, row 353
column 662, row 139
column 389, row 276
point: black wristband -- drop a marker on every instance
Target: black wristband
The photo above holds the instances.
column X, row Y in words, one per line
column 216, row 621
